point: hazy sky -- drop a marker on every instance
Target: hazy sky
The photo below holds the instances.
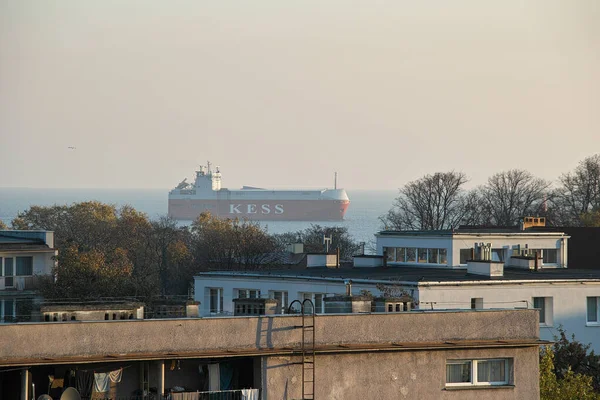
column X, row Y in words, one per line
column 284, row 93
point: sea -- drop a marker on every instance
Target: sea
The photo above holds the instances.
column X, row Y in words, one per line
column 362, row 217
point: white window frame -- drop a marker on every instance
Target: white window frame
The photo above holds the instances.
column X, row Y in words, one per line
column 547, row 310
column 284, row 297
column 474, row 381
column 246, row 293
column 219, row 307
column 312, row 297
column 597, row 321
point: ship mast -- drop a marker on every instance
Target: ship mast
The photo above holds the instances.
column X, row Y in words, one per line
column 335, row 181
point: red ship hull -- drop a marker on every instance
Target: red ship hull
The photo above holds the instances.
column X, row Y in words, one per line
column 260, row 210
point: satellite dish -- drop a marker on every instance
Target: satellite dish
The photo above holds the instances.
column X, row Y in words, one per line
column 44, row 397
column 70, row 394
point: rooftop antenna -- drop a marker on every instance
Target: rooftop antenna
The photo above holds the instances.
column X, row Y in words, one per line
column 326, row 242
column 335, row 181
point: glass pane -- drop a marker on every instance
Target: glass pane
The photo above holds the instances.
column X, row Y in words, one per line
column 318, row 303
column 391, row 253
column 422, row 255
column 24, row 266
column 8, row 267
column 465, row 254
column 253, row 294
column 433, row 256
column 497, row 254
column 491, row 371
column 213, row 300
column 592, row 309
column 242, row 294
column 411, row 255
column 458, row 372
column 443, row 256
column 540, row 303
column 400, row 253
column 550, row 256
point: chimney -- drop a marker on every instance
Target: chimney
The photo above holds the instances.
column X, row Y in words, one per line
column 348, row 287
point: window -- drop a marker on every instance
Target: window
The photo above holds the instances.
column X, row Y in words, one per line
column 8, row 310
column 391, row 253
column 24, row 266
column 458, row 372
column 400, row 254
column 411, row 255
column 317, row 299
column 282, row 300
column 433, row 255
column 216, row 300
column 498, row 254
column 476, row 303
column 248, row 293
column 443, row 256
column 544, row 304
column 465, row 254
column 593, row 310
column 478, row 372
column 8, row 272
column 422, row 255
column 550, row 256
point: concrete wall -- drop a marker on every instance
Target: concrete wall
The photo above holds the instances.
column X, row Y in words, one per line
column 398, row 375
column 93, row 341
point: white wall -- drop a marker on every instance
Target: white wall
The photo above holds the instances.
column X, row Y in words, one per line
column 569, row 303
column 457, row 242
column 294, row 287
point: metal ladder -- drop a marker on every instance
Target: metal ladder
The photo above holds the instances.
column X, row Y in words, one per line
column 307, row 348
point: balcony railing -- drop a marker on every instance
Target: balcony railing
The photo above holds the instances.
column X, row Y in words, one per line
column 19, row 282
column 241, row 394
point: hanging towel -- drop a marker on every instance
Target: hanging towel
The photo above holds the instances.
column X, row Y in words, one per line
column 101, row 382
column 57, row 383
column 116, row 375
column 249, row 394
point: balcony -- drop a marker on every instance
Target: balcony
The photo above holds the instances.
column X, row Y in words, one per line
column 19, row 283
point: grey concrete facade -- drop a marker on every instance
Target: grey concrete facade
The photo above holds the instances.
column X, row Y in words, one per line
column 387, row 356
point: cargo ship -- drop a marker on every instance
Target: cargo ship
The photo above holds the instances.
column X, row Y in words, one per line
column 187, row 201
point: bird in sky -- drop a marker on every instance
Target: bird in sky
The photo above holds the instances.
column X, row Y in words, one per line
column 71, row 147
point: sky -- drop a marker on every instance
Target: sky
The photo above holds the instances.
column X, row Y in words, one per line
column 285, row 93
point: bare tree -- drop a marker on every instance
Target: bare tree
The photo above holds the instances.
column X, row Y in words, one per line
column 435, row 201
column 507, row 196
column 579, row 191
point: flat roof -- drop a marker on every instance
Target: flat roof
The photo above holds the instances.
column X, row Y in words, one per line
column 472, row 231
column 415, row 275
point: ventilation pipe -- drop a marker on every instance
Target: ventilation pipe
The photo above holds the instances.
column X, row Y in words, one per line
column 348, row 287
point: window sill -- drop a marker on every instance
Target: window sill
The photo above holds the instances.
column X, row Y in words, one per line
column 592, row 324
column 546, row 326
column 479, row 387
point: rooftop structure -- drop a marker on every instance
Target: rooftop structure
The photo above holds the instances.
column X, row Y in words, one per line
column 24, row 257
column 353, row 356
